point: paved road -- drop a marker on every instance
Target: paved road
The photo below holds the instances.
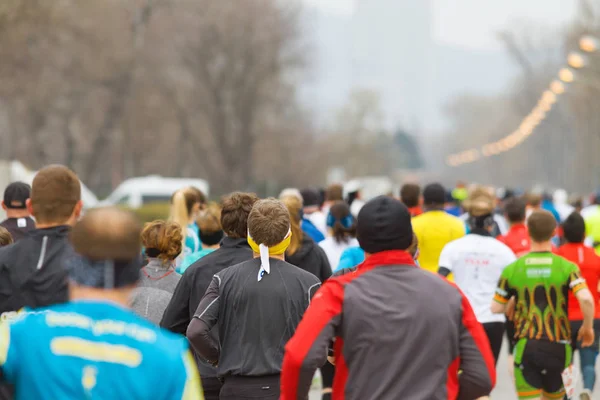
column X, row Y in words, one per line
column 504, row 386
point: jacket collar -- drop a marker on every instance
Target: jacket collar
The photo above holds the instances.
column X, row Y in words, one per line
column 231, row 243
column 61, row 230
column 390, row 257
column 518, row 227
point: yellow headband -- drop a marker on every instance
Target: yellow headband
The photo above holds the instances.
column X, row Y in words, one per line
column 265, row 252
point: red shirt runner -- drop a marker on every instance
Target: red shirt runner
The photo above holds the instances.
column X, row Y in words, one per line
column 589, row 264
column 415, row 211
column 517, row 239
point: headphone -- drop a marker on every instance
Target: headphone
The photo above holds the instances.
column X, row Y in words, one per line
column 488, row 222
column 346, row 222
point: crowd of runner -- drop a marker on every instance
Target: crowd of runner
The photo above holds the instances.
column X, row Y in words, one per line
column 405, row 296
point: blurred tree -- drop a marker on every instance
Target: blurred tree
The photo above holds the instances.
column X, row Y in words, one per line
column 410, row 153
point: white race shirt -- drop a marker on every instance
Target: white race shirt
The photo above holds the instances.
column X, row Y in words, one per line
column 477, row 262
column 334, row 250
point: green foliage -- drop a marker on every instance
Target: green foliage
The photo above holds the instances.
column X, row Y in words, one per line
column 152, row 212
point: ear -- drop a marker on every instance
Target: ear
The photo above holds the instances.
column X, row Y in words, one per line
column 4, row 206
column 29, row 206
column 77, row 210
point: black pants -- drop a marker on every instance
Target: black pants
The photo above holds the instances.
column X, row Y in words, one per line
column 327, row 374
column 250, row 387
column 510, row 335
column 495, row 334
column 211, row 388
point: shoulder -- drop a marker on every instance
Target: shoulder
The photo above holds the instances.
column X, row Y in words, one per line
column 420, row 219
column 7, row 252
column 456, row 222
column 456, row 244
column 292, row 270
column 500, row 247
column 237, row 268
column 327, row 244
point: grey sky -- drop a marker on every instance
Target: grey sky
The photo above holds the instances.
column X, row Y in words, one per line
column 473, row 23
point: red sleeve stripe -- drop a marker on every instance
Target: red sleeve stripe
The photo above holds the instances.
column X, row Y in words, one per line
column 326, row 304
column 341, row 370
column 452, row 385
column 481, row 340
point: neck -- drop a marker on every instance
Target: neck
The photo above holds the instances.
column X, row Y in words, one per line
column 213, row 247
column 157, row 262
column 17, row 213
column 513, row 224
column 118, row 296
column 434, row 207
column 541, row 247
column 45, row 225
column 275, row 256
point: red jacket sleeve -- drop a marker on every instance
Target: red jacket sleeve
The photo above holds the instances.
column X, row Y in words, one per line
column 307, row 349
column 478, row 376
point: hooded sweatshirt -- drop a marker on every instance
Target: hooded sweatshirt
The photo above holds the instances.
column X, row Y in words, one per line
column 310, row 257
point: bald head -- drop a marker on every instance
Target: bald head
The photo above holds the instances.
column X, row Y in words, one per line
column 108, row 234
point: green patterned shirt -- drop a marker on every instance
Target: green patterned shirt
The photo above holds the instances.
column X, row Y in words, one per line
column 540, row 283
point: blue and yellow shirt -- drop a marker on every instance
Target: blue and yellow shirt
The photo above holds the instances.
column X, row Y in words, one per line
column 94, row 350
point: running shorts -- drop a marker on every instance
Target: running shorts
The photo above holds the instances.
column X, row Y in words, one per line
column 538, row 368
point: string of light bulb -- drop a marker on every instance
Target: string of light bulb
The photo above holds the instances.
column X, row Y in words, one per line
column 543, row 107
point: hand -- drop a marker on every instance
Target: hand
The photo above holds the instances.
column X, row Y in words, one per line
column 510, row 309
column 586, row 336
column 331, row 360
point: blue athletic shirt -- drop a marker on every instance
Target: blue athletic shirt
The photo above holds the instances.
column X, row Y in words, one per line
column 192, row 240
column 95, row 350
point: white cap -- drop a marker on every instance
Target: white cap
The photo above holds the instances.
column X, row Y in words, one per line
column 352, row 187
column 291, row 192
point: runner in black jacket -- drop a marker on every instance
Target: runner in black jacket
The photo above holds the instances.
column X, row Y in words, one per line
column 196, row 279
column 32, row 271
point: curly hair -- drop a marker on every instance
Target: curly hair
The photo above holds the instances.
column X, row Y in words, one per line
column 166, row 237
column 5, row 237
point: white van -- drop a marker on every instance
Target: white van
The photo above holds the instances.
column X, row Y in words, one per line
column 136, row 192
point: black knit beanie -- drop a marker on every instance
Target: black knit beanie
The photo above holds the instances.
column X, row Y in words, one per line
column 384, row 224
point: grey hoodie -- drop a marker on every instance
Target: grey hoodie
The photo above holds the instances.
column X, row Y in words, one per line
column 155, row 289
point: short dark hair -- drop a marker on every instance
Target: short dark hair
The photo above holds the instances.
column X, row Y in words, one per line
column 515, row 209
column 574, row 228
column 269, row 222
column 55, row 192
column 108, row 233
column 334, row 192
column 434, row 194
column 410, row 194
column 5, row 237
column 235, row 210
column 541, row 225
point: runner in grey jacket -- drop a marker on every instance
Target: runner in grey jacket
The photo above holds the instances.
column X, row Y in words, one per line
column 414, row 330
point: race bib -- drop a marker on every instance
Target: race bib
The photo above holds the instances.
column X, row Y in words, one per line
column 569, row 378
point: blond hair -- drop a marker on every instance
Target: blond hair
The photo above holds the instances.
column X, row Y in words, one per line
column 294, row 207
column 182, row 204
